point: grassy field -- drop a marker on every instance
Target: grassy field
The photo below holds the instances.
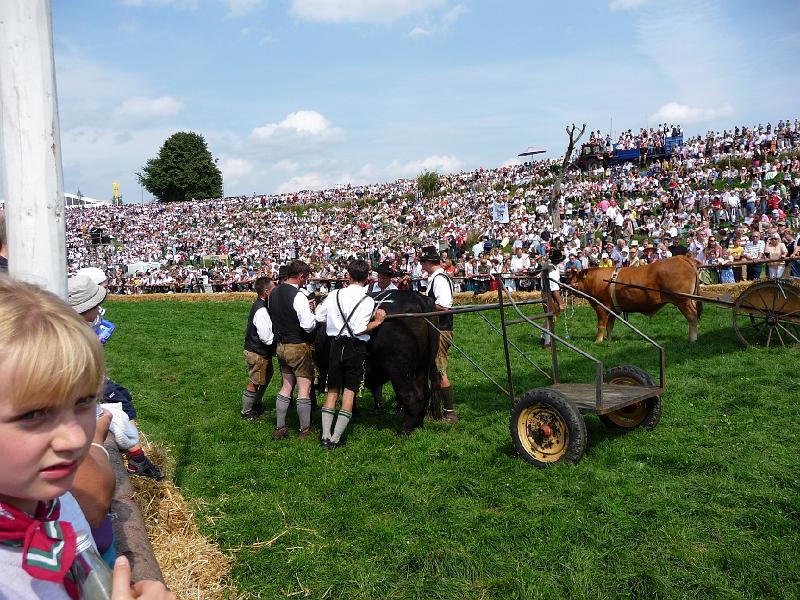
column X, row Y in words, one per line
column 705, row 506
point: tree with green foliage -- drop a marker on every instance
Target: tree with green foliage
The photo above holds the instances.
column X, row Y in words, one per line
column 428, row 183
column 184, row 169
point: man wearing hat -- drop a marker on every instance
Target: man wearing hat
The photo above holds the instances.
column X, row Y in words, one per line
column 384, row 283
column 440, row 288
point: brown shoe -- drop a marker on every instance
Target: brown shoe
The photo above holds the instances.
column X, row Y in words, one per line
column 305, row 433
column 281, row 433
column 450, row 416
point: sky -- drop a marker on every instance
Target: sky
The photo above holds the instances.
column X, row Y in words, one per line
column 308, row 94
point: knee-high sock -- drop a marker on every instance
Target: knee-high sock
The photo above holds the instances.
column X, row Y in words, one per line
column 258, row 404
column 281, row 408
column 342, row 419
column 327, row 422
column 304, row 412
column 248, row 398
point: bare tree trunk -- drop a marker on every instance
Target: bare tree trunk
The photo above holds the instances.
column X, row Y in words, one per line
column 556, row 194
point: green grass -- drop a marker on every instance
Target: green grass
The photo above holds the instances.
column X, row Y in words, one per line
column 704, row 506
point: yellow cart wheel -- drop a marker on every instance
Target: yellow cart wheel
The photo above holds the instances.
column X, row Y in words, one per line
column 646, row 413
column 546, row 428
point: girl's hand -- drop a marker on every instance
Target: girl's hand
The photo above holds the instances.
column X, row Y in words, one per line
column 146, row 590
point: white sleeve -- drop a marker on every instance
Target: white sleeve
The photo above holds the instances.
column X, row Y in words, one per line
column 321, row 316
column 444, row 297
column 304, row 314
column 263, row 325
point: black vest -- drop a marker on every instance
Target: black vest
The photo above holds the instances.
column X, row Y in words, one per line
column 252, row 342
column 285, row 323
column 445, row 321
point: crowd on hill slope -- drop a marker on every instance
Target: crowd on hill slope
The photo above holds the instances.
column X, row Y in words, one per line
column 723, row 186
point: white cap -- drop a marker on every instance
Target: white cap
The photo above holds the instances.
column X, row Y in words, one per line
column 94, row 273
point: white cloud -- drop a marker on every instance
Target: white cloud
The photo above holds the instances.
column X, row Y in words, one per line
column 616, row 5
column 139, row 108
column 240, row 8
column 303, row 124
column 360, row 11
column 438, row 163
column 322, row 179
column 445, row 23
column 234, row 169
column 314, row 181
column 286, row 166
column 419, row 32
column 452, row 15
column 673, row 112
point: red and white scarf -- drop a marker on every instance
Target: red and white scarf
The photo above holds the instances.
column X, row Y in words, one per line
column 48, row 545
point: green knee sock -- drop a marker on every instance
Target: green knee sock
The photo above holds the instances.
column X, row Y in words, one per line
column 342, row 419
column 327, row 422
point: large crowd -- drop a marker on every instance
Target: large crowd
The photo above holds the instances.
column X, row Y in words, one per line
column 711, row 198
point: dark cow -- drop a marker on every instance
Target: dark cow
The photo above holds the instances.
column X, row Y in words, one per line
column 676, row 274
column 402, row 351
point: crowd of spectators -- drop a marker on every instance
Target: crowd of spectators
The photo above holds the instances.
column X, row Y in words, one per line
column 711, row 199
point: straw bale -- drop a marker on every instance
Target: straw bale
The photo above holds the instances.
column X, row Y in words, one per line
column 192, row 565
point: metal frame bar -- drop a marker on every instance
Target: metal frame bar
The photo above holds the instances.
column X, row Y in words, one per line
column 513, row 345
column 641, row 334
column 465, row 355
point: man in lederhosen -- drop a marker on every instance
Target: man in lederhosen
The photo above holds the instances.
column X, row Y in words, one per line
column 293, row 324
column 348, row 317
column 440, row 288
column 259, row 348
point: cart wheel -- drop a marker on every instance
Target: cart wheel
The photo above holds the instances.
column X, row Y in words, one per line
column 547, row 428
column 768, row 314
column 646, row 413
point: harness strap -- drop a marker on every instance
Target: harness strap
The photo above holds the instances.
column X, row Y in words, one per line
column 347, row 318
column 613, row 289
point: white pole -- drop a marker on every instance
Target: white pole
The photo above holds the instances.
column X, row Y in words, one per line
column 35, row 218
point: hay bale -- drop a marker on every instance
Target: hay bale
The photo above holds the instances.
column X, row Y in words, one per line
column 192, row 565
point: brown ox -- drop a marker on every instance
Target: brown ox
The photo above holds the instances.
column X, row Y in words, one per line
column 676, row 274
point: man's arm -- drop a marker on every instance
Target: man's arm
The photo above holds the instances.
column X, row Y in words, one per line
column 263, row 325
column 442, row 293
column 377, row 319
column 304, row 314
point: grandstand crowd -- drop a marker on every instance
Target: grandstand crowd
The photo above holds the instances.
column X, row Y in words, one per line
column 721, row 198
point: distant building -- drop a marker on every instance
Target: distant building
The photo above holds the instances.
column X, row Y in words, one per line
column 74, row 200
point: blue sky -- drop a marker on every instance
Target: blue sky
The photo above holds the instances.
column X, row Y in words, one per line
column 296, row 94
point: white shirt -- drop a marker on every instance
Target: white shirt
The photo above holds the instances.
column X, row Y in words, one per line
column 303, row 310
column 520, row 263
column 442, row 293
column 375, row 287
column 329, row 313
column 263, row 325
column 16, row 583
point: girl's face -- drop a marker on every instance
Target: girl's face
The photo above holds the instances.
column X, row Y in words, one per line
column 41, row 448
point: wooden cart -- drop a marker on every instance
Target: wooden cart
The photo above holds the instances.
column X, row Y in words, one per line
column 547, row 425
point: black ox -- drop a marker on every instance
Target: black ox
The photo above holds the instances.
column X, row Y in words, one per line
column 401, row 350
